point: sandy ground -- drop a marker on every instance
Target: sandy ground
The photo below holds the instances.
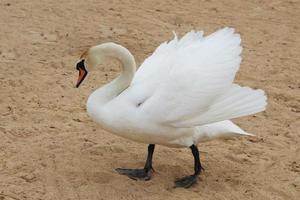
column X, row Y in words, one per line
column 50, row 148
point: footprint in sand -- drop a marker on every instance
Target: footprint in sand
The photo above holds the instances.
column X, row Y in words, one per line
column 8, row 55
column 43, row 38
column 295, row 166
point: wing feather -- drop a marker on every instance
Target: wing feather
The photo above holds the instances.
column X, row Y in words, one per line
column 191, row 80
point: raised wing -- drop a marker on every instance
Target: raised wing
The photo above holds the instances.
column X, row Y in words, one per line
column 189, row 76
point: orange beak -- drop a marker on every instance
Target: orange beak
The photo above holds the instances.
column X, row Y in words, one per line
column 82, row 72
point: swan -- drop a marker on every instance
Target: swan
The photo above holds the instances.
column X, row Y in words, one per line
column 181, row 95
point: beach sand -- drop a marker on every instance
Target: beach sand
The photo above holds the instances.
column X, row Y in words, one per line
column 51, row 150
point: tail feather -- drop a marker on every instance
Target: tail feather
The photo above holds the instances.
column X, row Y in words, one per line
column 222, row 130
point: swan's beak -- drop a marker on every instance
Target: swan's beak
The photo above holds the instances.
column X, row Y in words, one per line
column 82, row 72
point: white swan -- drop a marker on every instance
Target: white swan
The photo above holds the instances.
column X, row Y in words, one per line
column 181, row 95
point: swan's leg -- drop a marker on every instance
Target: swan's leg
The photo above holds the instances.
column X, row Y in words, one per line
column 140, row 174
column 188, row 181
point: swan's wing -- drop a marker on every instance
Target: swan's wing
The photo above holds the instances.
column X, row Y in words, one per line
column 196, row 76
column 156, row 67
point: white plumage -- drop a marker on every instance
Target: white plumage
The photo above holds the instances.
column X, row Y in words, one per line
column 181, row 95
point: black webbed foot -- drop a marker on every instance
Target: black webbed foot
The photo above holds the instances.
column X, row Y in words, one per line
column 186, row 181
column 140, row 174
column 136, row 174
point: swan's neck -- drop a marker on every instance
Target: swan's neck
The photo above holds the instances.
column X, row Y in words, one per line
column 109, row 91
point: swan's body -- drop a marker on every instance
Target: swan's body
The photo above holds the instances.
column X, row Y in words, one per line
column 181, row 95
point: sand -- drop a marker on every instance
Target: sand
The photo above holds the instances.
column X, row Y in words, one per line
column 51, row 150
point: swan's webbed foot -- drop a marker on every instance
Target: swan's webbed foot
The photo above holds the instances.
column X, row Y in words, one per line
column 140, row 174
column 136, row 174
column 186, row 181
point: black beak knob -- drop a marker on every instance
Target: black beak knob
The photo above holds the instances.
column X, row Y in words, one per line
column 80, row 65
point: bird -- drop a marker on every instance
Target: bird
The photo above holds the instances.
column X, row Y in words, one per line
column 181, row 95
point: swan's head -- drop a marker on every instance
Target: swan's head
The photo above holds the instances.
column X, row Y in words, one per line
column 94, row 56
column 100, row 54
